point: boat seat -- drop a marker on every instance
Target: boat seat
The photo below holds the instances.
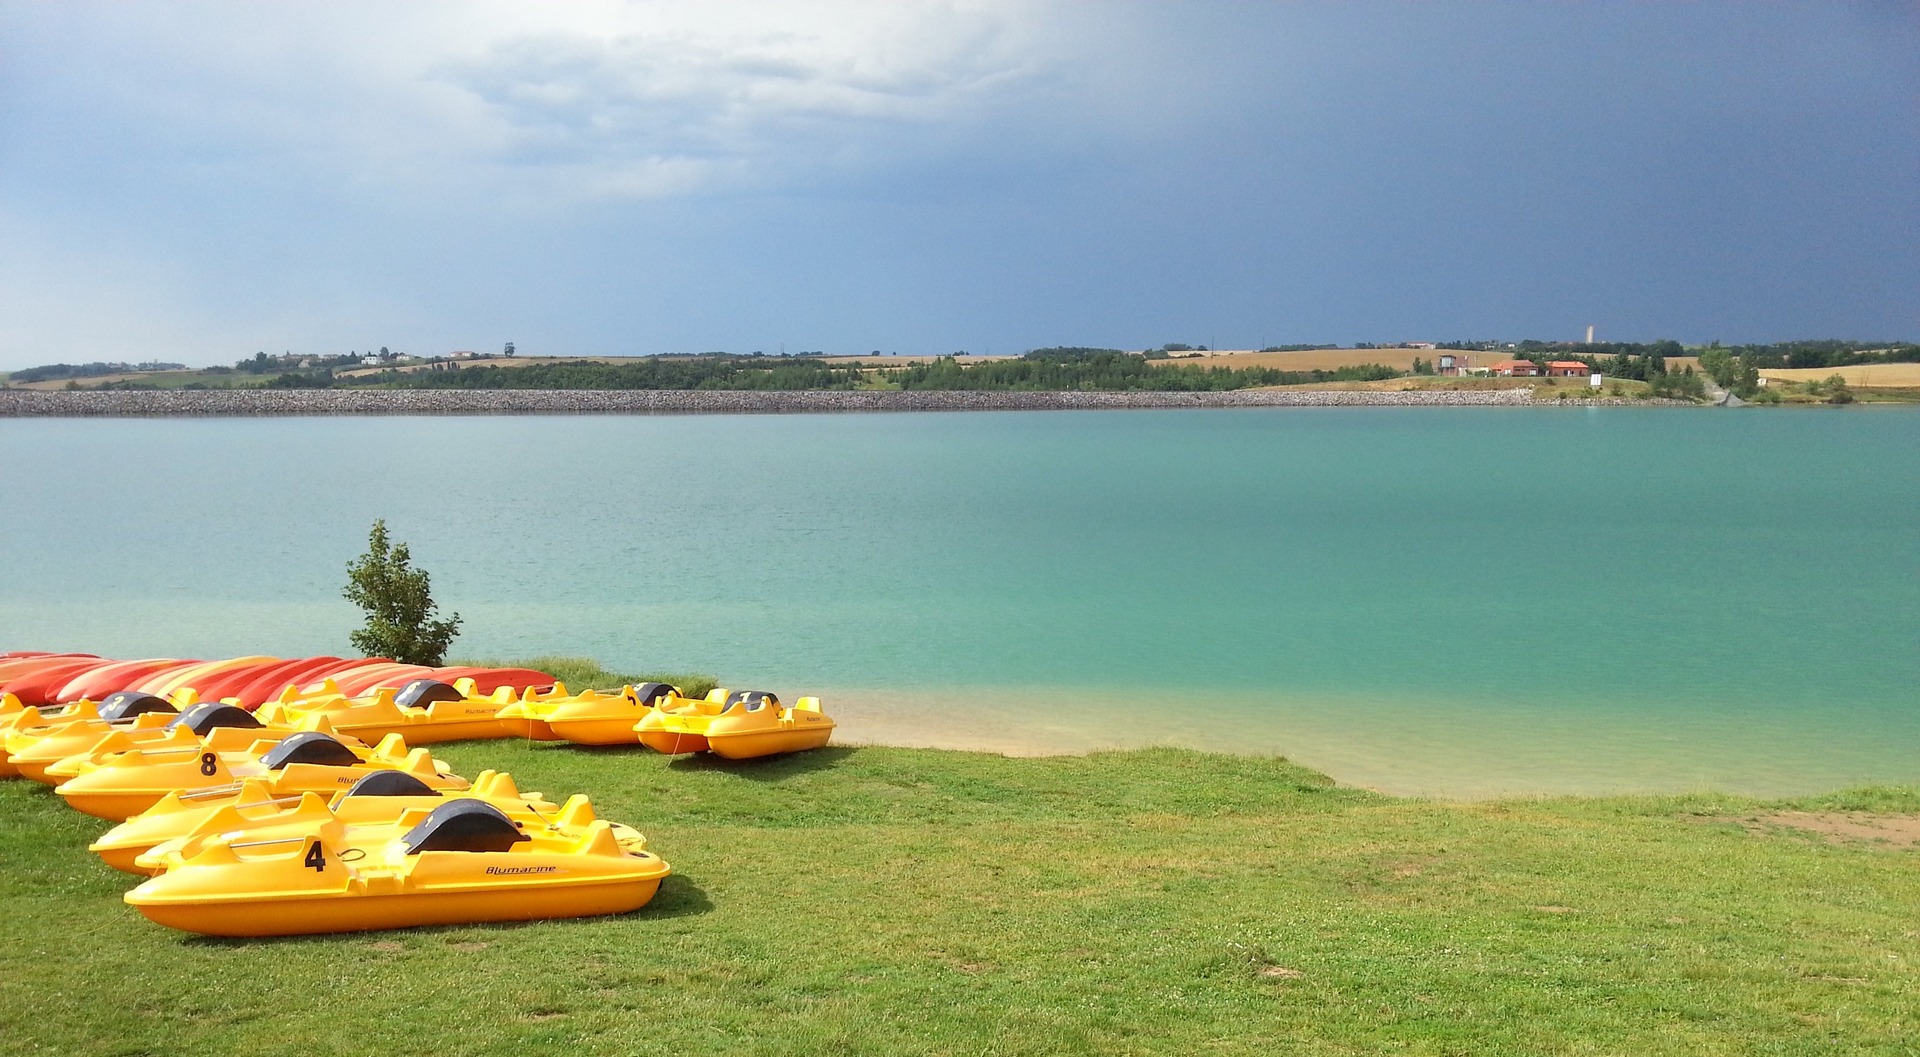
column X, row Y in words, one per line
column 463, row 825
column 126, row 704
column 648, row 693
column 391, row 783
column 753, row 699
column 309, row 746
column 206, row 716
column 423, row 692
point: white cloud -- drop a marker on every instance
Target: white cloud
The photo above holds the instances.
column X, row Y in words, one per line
column 529, row 107
column 679, row 104
column 643, row 98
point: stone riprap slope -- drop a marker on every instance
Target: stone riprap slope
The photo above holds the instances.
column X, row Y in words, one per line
column 65, row 403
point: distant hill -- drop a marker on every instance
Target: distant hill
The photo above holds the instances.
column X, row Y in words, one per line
column 53, row 372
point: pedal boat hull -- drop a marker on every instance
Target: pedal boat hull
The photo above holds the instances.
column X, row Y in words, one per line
column 316, row 883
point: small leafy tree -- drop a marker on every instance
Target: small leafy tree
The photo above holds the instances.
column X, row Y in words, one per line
column 1719, row 365
column 398, row 605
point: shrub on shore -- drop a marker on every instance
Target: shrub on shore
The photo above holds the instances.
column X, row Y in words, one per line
column 398, row 602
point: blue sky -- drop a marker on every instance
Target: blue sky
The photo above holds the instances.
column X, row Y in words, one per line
column 199, row 181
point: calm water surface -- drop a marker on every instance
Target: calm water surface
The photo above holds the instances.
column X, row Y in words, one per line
column 1448, row 601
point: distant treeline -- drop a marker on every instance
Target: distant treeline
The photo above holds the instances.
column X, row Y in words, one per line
column 1816, row 354
column 1111, row 370
column 55, row 371
column 1040, row 370
column 711, row 371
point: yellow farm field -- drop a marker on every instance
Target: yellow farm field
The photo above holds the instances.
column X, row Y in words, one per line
column 1864, row 375
column 161, row 378
column 1322, row 359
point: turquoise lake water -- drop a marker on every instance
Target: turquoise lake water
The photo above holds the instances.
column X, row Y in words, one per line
column 1450, row 601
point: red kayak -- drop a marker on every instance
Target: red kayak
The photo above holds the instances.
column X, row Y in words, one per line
column 51, row 678
column 448, row 674
column 214, row 685
column 113, row 678
column 239, row 685
column 487, row 680
column 36, row 686
column 395, row 675
column 155, row 681
column 269, row 685
column 20, row 667
column 342, row 670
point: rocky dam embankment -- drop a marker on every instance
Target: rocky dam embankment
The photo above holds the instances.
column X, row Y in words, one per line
column 222, row 402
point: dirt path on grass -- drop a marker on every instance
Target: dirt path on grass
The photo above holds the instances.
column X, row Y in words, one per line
column 1841, row 827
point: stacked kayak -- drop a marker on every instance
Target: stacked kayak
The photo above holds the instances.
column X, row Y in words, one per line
column 48, row 678
column 737, row 725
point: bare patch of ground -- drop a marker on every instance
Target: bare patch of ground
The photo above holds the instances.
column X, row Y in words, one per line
column 1838, row 827
column 1315, row 359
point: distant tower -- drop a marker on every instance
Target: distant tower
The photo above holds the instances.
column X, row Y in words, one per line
column 1589, row 333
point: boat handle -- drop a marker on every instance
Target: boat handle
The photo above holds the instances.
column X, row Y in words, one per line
column 267, row 841
column 212, row 792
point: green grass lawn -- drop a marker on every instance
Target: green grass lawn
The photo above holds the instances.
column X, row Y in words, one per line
column 894, row 901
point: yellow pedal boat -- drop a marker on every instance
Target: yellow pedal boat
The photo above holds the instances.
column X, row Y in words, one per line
column 36, row 721
column 738, row 725
column 464, row 862
column 379, row 808
column 680, row 726
column 526, row 717
column 33, row 754
column 263, row 798
column 425, row 711
column 11, row 713
column 158, row 731
column 591, row 717
column 124, row 785
column 33, row 745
